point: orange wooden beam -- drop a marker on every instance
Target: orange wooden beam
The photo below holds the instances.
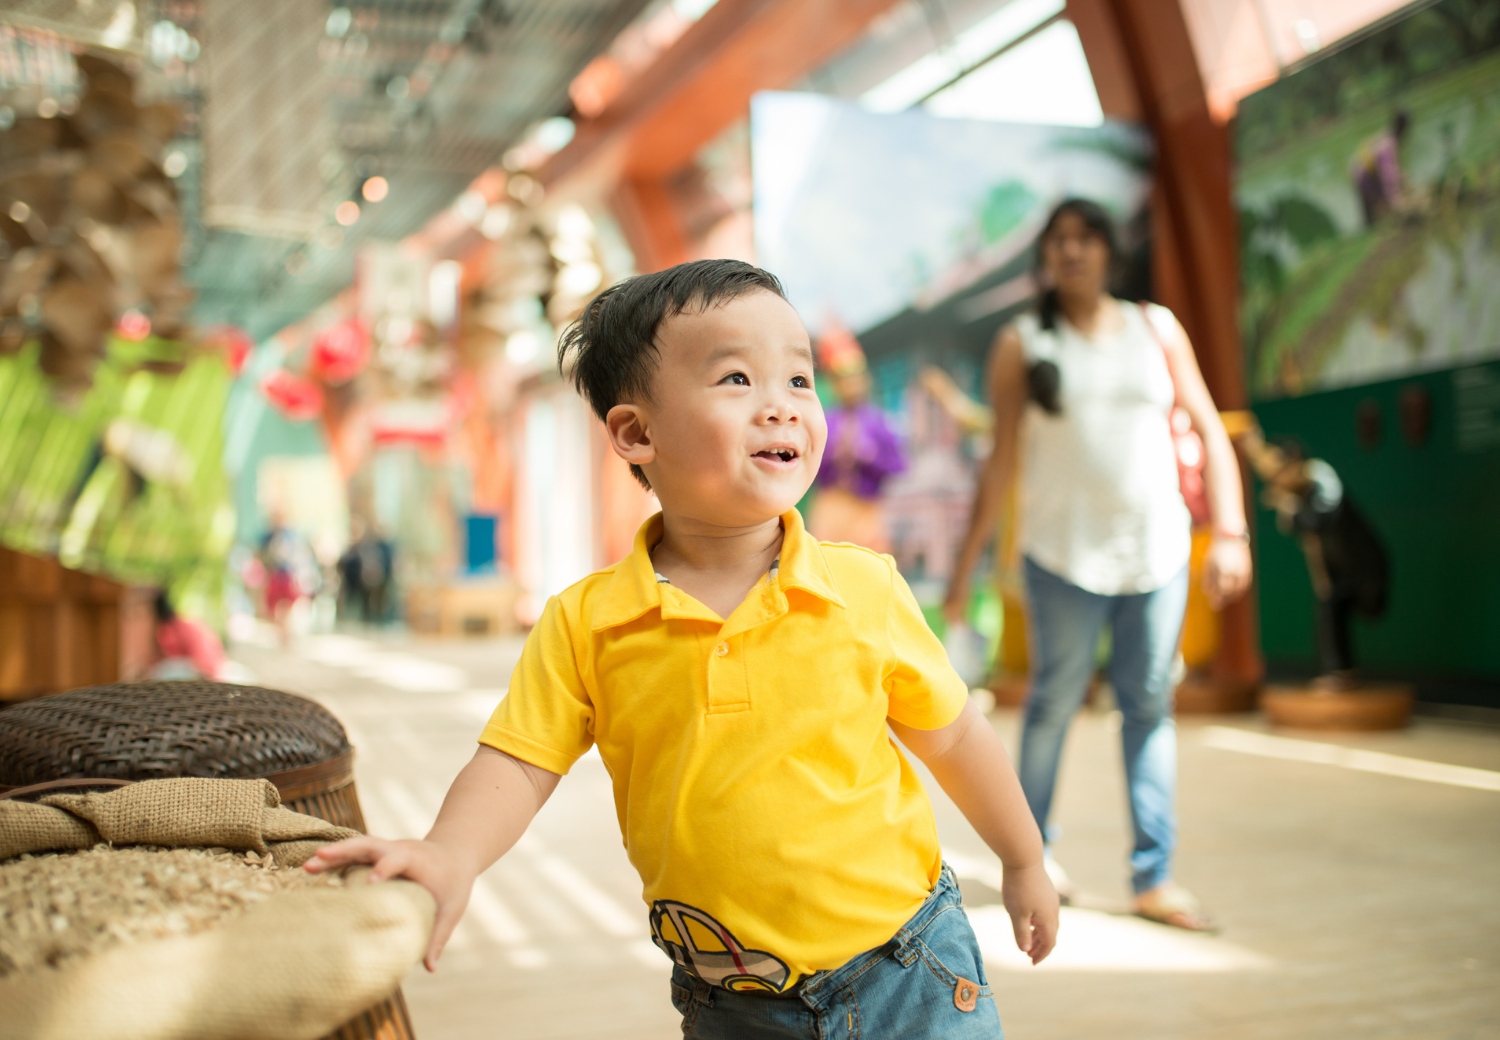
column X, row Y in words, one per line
column 704, row 81
column 1145, row 67
column 697, row 89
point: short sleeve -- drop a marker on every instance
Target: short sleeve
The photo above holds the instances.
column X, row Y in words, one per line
column 546, row 718
column 924, row 690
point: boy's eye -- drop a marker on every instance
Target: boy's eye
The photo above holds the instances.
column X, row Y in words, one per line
column 737, row 378
column 801, row 382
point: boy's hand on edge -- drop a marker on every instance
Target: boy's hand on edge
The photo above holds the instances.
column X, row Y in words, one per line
column 1031, row 902
column 427, row 863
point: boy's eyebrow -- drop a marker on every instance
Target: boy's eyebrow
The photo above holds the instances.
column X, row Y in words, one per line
column 735, row 350
column 720, row 353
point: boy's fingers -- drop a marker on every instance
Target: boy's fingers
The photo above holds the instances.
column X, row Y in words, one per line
column 1021, row 925
column 442, row 931
column 392, row 864
column 343, row 853
column 1044, row 937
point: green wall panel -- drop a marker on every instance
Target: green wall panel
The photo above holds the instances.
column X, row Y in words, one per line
column 1437, row 507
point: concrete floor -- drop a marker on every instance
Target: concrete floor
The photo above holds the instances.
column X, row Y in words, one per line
column 1356, row 901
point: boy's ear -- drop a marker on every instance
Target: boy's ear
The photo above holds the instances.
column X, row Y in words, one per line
column 626, row 426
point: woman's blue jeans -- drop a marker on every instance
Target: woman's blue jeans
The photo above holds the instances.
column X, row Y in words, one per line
column 1144, row 628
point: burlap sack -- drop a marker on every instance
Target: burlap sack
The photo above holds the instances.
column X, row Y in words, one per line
column 25, row 827
column 231, row 814
column 295, row 968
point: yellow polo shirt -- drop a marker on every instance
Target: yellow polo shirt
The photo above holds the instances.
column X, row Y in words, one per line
column 777, row 828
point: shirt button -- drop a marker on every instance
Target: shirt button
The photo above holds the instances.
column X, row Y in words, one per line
column 722, row 649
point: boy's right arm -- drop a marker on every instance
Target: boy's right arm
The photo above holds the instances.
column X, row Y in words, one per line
column 488, row 808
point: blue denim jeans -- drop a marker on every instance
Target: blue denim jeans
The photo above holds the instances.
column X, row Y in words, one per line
column 909, row 988
column 1144, row 628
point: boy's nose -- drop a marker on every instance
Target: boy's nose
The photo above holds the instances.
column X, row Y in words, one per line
column 782, row 413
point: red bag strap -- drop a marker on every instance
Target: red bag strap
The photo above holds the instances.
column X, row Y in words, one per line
column 1151, row 331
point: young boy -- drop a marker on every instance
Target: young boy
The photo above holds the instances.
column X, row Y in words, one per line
column 741, row 681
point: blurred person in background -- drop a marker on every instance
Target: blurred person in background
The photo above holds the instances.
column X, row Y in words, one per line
column 365, row 574
column 864, row 451
column 1347, row 563
column 185, row 649
column 1087, row 384
column 287, row 564
column 1377, row 174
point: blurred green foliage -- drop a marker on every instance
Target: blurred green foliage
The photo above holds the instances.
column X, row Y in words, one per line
column 158, row 514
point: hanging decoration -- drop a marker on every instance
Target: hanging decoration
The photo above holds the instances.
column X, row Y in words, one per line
column 340, row 352
column 233, row 343
column 89, row 226
column 294, row 396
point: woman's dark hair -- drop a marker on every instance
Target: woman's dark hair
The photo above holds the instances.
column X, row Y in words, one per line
column 1097, row 219
column 613, row 343
column 163, row 605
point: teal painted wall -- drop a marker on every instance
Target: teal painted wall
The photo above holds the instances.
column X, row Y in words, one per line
column 1437, row 507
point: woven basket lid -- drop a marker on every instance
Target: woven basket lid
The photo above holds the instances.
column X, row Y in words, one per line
column 147, row 730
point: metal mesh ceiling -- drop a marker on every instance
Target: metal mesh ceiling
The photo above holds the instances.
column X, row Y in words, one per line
column 427, row 93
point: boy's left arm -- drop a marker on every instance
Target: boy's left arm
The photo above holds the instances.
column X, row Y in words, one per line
column 971, row 765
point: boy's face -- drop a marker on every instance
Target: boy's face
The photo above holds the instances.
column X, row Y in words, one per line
column 733, row 432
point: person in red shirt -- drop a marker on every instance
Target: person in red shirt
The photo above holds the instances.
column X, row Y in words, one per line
column 185, row 649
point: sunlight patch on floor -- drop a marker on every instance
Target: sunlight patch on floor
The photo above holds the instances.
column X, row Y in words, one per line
column 1092, row 940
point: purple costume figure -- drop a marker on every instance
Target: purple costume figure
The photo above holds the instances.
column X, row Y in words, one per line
column 1376, row 170
column 862, row 452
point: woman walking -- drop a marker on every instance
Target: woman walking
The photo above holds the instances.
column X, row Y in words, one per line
column 1086, row 386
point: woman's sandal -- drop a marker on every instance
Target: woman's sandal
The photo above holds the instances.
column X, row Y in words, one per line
column 1172, row 905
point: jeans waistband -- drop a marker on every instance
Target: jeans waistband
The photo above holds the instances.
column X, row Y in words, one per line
column 818, row 988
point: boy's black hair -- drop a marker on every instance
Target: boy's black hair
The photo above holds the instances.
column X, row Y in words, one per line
column 613, row 343
column 1097, row 219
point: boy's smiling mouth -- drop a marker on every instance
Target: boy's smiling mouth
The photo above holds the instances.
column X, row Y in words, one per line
column 778, row 455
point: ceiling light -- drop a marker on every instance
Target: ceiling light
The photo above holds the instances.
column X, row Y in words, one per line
column 375, row 189
column 347, row 212
column 496, row 222
column 552, row 135
column 472, row 206
column 573, row 222
column 579, row 279
column 522, row 347
column 339, row 20
column 524, row 189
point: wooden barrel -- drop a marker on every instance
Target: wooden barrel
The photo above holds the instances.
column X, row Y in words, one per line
column 123, row 732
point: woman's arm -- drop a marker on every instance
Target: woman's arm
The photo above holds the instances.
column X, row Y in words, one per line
column 1008, row 392
column 1226, row 572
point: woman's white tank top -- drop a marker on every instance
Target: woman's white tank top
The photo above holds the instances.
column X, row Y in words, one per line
column 1101, row 504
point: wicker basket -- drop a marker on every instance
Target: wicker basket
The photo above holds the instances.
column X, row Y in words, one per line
column 148, row 730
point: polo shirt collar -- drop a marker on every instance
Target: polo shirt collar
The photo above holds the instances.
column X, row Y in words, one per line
column 633, row 589
column 802, row 563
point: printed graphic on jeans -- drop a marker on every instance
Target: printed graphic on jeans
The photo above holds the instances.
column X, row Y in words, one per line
column 703, row 947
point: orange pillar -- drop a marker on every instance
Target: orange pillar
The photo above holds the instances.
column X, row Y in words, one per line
column 1145, row 68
